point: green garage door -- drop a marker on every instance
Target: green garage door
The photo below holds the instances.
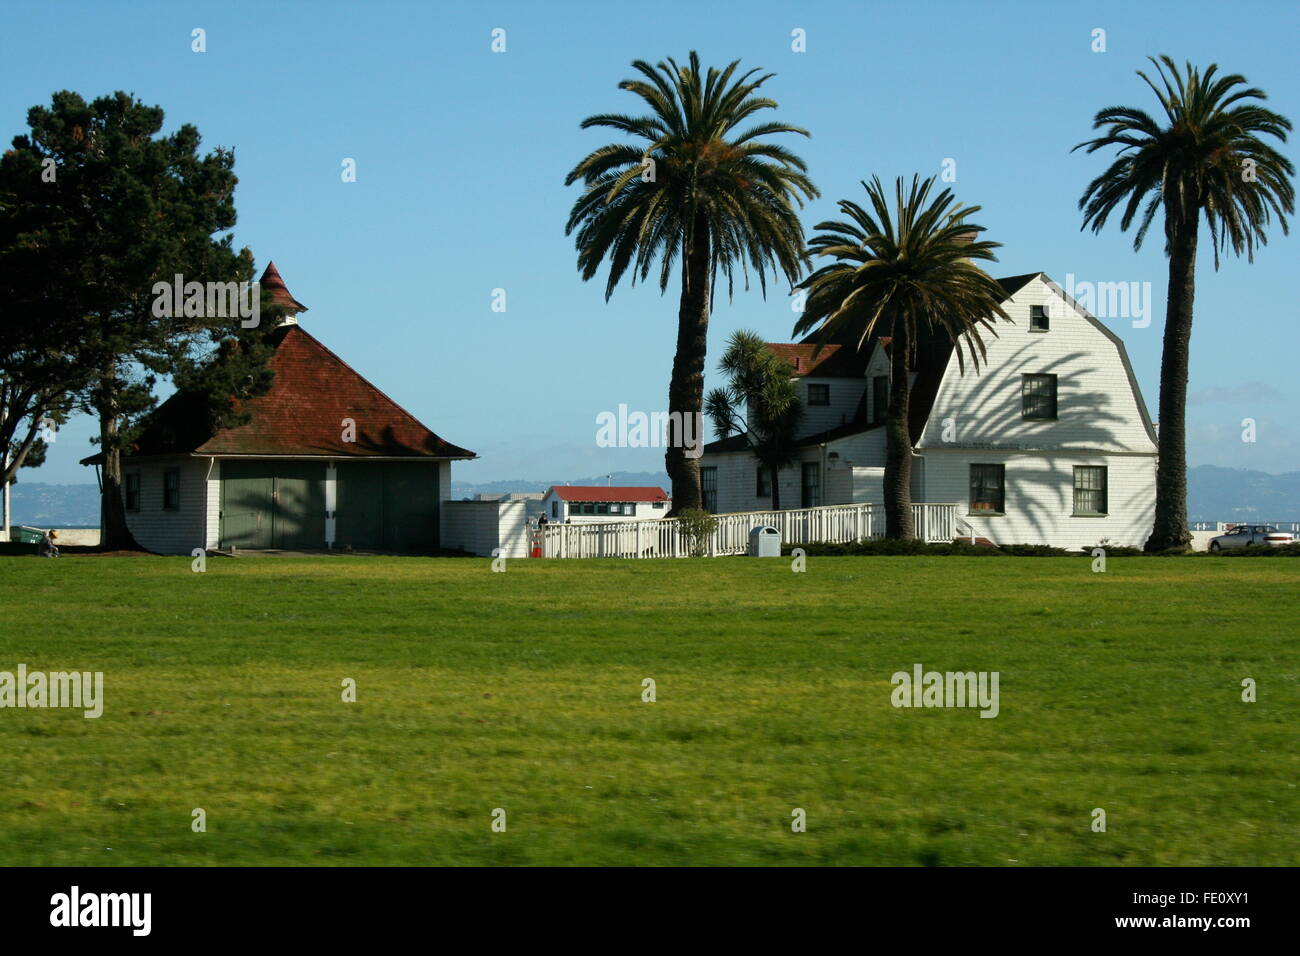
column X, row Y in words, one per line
column 269, row 504
column 387, row 506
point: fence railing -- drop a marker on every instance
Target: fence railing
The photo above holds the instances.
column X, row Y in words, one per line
column 1291, row 526
column 665, row 538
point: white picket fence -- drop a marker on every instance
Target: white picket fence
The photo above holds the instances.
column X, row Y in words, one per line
column 663, row 538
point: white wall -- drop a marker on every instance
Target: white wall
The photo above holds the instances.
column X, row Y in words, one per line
column 642, row 510
column 170, row 532
column 1039, row 497
column 1096, row 407
column 480, row 527
column 844, row 396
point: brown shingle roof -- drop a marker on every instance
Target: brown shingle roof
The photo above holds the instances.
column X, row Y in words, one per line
column 280, row 295
column 302, row 415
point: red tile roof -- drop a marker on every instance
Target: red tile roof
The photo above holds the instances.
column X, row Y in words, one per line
column 302, row 415
column 833, row 361
column 272, row 282
column 598, row 493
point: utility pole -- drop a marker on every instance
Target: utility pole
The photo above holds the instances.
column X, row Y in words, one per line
column 4, row 476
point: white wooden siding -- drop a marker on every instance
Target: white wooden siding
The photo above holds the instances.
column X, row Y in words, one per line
column 845, row 393
column 170, row 532
column 1039, row 496
column 1096, row 405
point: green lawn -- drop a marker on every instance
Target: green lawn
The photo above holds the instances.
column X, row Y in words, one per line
column 522, row 690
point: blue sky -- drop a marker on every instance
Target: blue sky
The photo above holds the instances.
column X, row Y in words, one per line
column 461, row 155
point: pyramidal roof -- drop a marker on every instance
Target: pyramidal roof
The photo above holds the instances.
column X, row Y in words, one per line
column 315, row 402
column 280, row 294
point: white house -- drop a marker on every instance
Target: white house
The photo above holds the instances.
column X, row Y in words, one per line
column 327, row 460
column 584, row 503
column 1049, row 442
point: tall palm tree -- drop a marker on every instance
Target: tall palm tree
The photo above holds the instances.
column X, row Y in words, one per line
column 1205, row 157
column 695, row 190
column 760, row 402
column 908, row 274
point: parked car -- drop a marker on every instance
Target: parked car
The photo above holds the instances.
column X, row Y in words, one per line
column 1247, row 535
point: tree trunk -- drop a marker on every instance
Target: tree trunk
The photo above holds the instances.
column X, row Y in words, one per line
column 114, row 534
column 898, row 450
column 1170, row 528
column 686, row 388
column 776, row 488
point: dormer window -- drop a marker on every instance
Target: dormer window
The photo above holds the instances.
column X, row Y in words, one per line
column 819, row 394
column 1038, row 320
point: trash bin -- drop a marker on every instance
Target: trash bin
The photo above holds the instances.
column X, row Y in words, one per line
column 764, row 542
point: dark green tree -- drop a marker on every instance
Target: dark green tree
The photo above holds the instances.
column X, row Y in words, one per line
column 760, row 402
column 906, row 273
column 1205, row 158
column 126, row 207
column 695, row 189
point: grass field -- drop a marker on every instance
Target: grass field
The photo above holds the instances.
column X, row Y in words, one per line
column 523, row 691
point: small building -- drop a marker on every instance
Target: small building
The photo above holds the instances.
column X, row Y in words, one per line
column 326, row 461
column 579, row 503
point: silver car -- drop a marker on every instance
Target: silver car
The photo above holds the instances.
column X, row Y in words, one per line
column 1251, row 535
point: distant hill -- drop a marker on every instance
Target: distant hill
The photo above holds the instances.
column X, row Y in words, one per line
column 1233, row 494
column 1213, row 494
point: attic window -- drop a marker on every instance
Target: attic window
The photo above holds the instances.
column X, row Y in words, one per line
column 1038, row 320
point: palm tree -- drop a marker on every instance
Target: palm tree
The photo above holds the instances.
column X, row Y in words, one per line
column 695, row 190
column 1208, row 158
column 907, row 275
column 759, row 402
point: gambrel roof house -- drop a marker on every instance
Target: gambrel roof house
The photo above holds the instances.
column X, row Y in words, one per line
column 1049, row 442
column 326, row 461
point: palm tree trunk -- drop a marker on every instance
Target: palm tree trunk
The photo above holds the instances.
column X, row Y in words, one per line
column 1170, row 529
column 898, row 451
column 776, row 488
column 686, row 388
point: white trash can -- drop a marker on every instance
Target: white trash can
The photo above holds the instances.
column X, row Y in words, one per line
column 764, row 542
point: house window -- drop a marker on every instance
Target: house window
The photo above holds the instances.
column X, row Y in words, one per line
column 819, row 394
column 602, row 508
column 987, row 489
column 1038, row 320
column 659, row 505
column 555, row 509
column 1090, row 490
column 811, row 486
column 709, row 488
column 763, row 486
column 879, row 398
column 1038, row 397
column 172, row 489
column 133, row 491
